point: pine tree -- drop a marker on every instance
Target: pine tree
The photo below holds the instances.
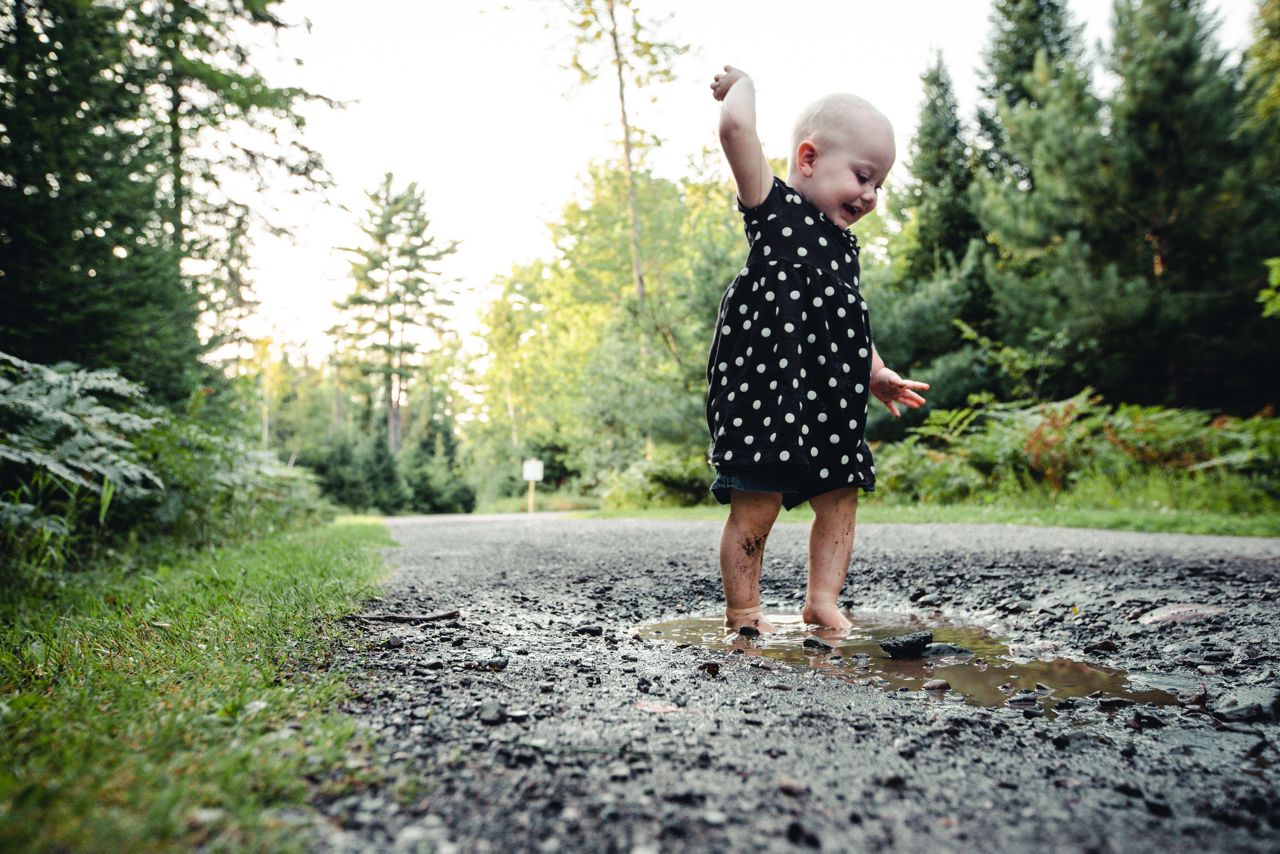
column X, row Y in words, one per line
column 89, row 275
column 939, row 194
column 1188, row 205
column 399, row 295
column 1021, row 30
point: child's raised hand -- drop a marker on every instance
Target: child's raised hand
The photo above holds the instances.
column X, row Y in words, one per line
column 724, row 82
column 891, row 389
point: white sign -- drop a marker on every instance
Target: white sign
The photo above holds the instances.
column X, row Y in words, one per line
column 533, row 470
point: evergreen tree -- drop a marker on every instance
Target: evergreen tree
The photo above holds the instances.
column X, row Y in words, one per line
column 399, row 295
column 939, row 195
column 1189, row 206
column 1262, row 78
column 1021, row 30
column 89, row 273
column 226, row 133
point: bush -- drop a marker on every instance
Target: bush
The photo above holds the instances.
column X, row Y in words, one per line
column 86, row 464
column 1083, row 445
column 675, row 477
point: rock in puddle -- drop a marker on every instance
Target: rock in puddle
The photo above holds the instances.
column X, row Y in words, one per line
column 818, row 644
column 906, row 646
column 937, row 685
column 937, row 649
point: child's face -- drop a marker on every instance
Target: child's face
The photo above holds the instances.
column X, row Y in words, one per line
column 842, row 176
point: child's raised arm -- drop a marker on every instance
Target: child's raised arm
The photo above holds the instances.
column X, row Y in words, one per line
column 738, row 136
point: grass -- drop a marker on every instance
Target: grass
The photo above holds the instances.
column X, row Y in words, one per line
column 1158, row 519
column 176, row 708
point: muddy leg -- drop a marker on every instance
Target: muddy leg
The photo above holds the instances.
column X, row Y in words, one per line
column 830, row 547
column 751, row 517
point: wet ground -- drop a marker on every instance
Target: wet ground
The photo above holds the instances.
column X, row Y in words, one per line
column 1123, row 694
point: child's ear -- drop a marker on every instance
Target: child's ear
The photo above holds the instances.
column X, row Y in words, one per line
column 806, row 157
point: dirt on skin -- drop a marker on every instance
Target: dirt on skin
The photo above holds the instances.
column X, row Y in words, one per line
column 541, row 719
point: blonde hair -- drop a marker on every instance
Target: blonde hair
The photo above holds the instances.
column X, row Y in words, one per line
column 832, row 116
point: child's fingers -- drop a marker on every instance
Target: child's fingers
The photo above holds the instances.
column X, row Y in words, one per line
column 914, row 384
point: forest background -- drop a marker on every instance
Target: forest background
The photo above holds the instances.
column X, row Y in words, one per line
column 1084, row 272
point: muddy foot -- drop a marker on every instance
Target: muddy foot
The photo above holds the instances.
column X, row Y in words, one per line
column 736, row 619
column 825, row 616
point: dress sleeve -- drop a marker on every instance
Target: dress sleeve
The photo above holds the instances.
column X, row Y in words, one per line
column 771, row 202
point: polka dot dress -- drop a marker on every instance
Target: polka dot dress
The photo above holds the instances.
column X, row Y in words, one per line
column 791, row 360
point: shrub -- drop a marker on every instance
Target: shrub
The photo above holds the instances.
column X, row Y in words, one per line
column 86, row 464
column 675, row 477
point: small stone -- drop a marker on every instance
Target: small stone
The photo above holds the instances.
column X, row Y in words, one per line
column 421, row 712
column 937, row 649
column 1114, row 703
column 1102, row 646
column 715, row 818
column 937, row 685
column 711, row 668
column 906, row 646
column 816, row 643
column 592, row 631
column 201, row 816
column 1250, row 704
column 394, row 642
column 749, row 631
column 928, row 599
column 492, row 713
column 792, row 787
column 1180, row 612
column 798, row 834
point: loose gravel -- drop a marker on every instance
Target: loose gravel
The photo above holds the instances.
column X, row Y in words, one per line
column 538, row 719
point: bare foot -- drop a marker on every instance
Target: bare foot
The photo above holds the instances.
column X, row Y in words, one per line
column 736, row 618
column 828, row 616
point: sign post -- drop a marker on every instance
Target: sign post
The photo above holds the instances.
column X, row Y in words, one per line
column 533, row 474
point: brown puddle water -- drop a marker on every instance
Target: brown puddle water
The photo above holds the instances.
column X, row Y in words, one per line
column 989, row 677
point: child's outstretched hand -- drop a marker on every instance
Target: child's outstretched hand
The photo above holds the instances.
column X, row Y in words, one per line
column 891, row 389
column 724, row 82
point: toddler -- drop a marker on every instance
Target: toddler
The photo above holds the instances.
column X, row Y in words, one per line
column 793, row 361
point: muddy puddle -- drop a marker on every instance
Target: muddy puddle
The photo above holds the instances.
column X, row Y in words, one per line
column 994, row 675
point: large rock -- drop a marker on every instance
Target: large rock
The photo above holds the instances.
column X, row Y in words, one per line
column 907, row 646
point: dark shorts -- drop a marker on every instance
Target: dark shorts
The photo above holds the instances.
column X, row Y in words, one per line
column 796, row 484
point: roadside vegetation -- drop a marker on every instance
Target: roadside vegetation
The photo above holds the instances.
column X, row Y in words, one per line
column 184, row 705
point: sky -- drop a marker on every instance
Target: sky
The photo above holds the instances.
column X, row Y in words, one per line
column 472, row 101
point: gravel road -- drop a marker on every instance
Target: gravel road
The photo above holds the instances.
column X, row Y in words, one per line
column 542, row 718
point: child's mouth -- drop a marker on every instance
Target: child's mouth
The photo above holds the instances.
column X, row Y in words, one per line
column 851, row 211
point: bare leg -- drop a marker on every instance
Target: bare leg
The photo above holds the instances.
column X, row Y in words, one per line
column 751, row 517
column 830, row 547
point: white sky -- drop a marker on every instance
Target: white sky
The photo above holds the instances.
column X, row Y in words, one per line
column 470, row 100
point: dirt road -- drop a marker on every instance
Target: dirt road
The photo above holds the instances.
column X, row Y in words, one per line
column 545, row 717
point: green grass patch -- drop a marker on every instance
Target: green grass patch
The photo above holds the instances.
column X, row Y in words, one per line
column 178, row 707
column 1156, row 519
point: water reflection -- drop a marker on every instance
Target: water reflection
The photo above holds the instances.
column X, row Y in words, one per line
column 989, row 677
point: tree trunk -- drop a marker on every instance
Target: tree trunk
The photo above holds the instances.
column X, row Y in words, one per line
column 632, row 207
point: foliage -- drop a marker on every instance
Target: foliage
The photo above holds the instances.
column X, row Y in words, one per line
column 938, row 197
column 1270, row 295
column 990, row 449
column 674, row 477
column 86, row 464
column 399, row 296
column 90, row 274
column 1022, row 31
column 130, row 700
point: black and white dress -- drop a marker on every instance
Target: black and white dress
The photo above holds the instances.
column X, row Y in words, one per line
column 791, row 360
